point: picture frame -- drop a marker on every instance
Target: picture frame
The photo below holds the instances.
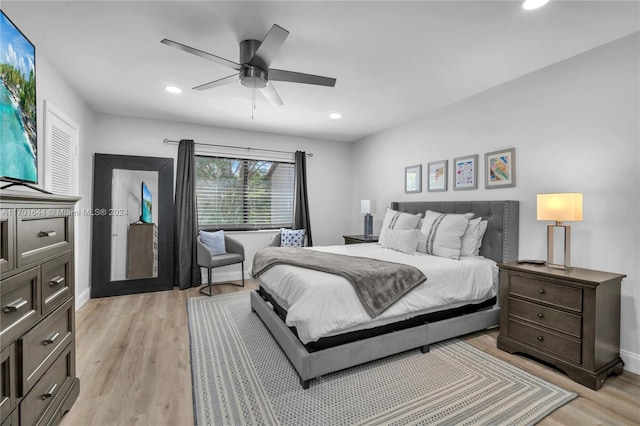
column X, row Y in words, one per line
column 413, row 179
column 500, row 168
column 437, row 176
column 465, row 172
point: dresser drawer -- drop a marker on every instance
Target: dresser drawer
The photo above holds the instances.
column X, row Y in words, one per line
column 548, row 317
column 546, row 340
column 43, row 343
column 46, row 394
column 8, row 392
column 19, row 305
column 41, row 236
column 553, row 294
column 57, row 282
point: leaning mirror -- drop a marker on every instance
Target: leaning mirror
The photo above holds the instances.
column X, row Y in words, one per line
column 132, row 241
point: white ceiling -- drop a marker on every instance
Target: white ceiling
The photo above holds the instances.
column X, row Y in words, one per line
column 393, row 60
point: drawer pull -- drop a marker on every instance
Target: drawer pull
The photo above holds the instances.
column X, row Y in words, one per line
column 540, row 338
column 47, row 234
column 49, row 340
column 56, row 281
column 49, row 392
column 541, row 291
column 540, row 315
column 14, row 306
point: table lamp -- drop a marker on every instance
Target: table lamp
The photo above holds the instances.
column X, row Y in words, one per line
column 559, row 208
column 366, row 208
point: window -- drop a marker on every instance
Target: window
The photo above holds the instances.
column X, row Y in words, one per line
column 236, row 193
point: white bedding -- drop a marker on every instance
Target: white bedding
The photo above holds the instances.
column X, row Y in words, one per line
column 321, row 304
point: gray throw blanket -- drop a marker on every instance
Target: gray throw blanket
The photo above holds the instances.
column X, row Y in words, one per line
column 378, row 284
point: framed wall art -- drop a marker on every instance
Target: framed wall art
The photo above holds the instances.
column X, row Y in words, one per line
column 465, row 172
column 500, row 168
column 413, row 179
column 437, row 172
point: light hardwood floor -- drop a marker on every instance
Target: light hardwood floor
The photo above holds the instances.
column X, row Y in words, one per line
column 134, row 367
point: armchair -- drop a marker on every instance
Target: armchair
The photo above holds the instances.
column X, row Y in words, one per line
column 235, row 254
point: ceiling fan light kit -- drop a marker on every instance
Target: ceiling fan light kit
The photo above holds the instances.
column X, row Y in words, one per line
column 253, row 69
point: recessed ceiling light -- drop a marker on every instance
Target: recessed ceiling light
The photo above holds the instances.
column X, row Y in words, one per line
column 335, row 116
column 173, row 89
column 534, row 4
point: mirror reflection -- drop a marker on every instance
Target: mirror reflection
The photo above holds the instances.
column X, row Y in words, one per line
column 134, row 224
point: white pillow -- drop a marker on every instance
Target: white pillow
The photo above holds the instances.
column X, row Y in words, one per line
column 397, row 220
column 402, row 240
column 441, row 233
column 214, row 242
column 470, row 237
column 481, row 231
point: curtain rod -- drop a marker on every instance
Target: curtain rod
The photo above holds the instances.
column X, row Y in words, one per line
column 309, row 154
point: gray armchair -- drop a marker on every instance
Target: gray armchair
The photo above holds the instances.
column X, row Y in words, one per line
column 235, row 254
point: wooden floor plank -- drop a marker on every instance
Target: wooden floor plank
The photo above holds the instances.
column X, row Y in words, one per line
column 134, row 366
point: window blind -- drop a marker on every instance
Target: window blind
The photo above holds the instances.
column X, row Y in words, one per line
column 237, row 193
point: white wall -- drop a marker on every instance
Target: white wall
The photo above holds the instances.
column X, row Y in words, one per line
column 575, row 127
column 53, row 88
column 328, row 171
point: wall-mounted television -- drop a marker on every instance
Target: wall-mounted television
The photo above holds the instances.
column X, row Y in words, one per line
column 147, row 203
column 18, row 145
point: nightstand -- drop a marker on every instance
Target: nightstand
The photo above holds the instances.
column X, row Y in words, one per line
column 358, row 239
column 570, row 319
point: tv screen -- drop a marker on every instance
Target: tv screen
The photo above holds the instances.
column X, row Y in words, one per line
column 18, row 145
column 146, row 204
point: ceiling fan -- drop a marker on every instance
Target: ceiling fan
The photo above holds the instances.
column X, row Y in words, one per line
column 253, row 69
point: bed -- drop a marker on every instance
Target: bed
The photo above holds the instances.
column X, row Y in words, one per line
column 313, row 357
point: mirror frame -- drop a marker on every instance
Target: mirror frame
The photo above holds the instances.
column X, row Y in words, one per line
column 101, row 284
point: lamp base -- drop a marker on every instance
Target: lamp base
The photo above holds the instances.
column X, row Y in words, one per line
column 368, row 225
column 567, row 247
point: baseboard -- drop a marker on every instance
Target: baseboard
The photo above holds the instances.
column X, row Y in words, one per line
column 83, row 298
column 631, row 361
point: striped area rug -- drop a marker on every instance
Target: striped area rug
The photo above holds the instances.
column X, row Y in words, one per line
column 241, row 377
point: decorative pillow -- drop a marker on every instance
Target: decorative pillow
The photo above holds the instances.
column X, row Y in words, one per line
column 397, row 220
column 402, row 240
column 441, row 233
column 214, row 241
column 470, row 237
column 481, row 231
column 292, row 237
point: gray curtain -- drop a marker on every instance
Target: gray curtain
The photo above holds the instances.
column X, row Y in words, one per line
column 301, row 198
column 186, row 271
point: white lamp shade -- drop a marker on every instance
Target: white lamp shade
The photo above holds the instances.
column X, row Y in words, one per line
column 560, row 207
column 367, row 206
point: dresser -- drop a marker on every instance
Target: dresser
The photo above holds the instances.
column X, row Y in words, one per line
column 38, row 382
column 142, row 258
column 568, row 318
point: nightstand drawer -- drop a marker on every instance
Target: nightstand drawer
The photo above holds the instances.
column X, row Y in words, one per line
column 547, row 341
column 548, row 317
column 19, row 305
column 43, row 343
column 553, row 294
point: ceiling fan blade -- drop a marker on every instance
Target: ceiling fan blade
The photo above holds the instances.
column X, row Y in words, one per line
column 269, row 47
column 298, row 77
column 272, row 96
column 205, row 55
column 221, row 82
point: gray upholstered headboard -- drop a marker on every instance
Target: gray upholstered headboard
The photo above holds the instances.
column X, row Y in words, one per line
column 500, row 241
